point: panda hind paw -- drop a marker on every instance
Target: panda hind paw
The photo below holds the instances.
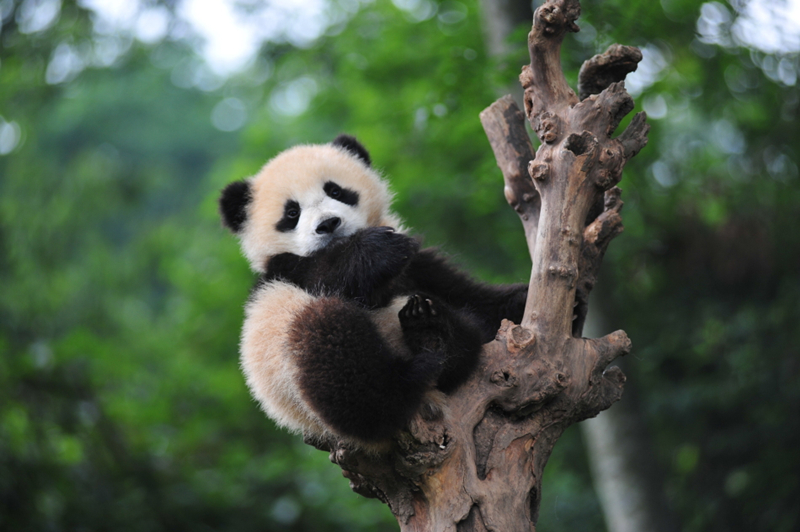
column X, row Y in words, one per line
column 419, row 309
column 425, row 324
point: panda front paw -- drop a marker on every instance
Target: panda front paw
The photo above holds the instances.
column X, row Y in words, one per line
column 389, row 251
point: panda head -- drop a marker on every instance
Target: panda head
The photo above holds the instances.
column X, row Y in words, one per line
column 304, row 199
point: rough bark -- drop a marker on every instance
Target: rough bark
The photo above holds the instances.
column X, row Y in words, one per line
column 480, row 467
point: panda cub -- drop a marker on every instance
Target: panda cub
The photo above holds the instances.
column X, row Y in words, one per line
column 350, row 324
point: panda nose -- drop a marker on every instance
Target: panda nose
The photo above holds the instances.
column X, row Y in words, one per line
column 329, row 225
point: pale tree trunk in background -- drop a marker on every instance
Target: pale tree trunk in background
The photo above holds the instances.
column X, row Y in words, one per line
column 626, row 477
column 499, row 18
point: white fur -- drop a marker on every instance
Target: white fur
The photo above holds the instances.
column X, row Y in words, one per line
column 267, row 358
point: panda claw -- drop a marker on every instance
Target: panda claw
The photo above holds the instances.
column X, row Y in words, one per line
column 419, row 309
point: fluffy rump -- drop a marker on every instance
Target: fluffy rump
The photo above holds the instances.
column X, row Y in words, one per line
column 266, row 357
column 339, row 376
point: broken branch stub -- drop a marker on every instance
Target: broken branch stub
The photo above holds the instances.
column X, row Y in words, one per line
column 504, row 124
column 609, row 67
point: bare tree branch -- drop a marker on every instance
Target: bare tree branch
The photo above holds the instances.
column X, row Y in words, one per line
column 504, row 124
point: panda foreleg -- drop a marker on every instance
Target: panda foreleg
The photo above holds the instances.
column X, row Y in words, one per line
column 358, row 267
column 429, row 326
column 362, row 266
column 352, row 378
column 488, row 304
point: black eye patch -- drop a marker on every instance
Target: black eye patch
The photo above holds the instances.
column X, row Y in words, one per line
column 291, row 214
column 345, row 195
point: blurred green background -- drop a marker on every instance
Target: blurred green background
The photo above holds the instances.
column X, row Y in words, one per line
column 121, row 403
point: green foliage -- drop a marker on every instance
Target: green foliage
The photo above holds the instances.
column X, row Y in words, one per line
column 121, row 403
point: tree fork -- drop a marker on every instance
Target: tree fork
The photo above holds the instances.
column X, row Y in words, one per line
column 479, row 467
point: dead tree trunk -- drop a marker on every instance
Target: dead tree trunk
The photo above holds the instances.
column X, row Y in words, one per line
column 480, row 468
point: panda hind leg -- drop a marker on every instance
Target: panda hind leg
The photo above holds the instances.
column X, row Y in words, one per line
column 349, row 374
column 434, row 330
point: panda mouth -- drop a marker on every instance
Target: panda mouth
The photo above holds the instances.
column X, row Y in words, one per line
column 341, row 232
column 325, row 240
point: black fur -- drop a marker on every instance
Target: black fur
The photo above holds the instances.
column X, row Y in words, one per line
column 352, row 145
column 429, row 272
column 291, row 215
column 233, row 203
column 360, row 267
column 376, row 264
column 432, row 329
column 350, row 376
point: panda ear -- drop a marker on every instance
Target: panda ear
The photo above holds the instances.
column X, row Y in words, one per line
column 349, row 143
column 233, row 204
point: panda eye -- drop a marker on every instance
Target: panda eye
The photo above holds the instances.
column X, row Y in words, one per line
column 345, row 195
column 334, row 191
column 291, row 215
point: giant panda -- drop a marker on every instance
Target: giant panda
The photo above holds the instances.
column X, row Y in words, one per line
column 350, row 326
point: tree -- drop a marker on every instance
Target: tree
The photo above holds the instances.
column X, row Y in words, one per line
column 480, row 468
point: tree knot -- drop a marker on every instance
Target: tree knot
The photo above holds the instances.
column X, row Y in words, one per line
column 547, row 126
column 537, row 384
column 564, row 271
column 611, row 161
column 526, row 76
column 580, row 144
column 552, row 16
column 517, row 338
column 503, row 378
column 538, row 171
column 557, row 18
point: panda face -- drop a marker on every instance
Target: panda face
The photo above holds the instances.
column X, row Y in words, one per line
column 314, row 218
column 304, row 199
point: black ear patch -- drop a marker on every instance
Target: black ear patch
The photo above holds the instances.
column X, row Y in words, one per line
column 349, row 143
column 233, row 204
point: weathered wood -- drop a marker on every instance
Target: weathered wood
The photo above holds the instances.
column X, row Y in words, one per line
column 504, row 125
column 609, row 67
column 479, row 467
